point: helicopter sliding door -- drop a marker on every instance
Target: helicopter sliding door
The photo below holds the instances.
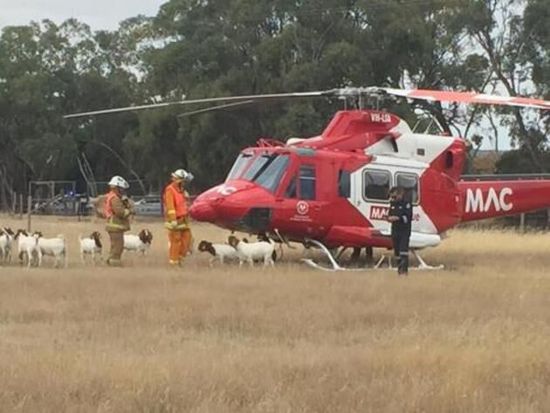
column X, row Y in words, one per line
column 370, row 196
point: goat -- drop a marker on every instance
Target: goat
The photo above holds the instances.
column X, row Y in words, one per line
column 6, row 244
column 254, row 251
column 90, row 246
column 141, row 242
column 27, row 245
column 218, row 251
column 54, row 247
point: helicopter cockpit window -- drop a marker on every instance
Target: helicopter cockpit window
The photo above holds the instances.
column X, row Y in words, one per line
column 257, row 166
column 271, row 173
column 239, row 165
column 377, row 185
column 410, row 183
column 307, row 182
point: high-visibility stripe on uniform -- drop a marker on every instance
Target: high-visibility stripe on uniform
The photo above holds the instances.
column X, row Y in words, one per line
column 111, row 224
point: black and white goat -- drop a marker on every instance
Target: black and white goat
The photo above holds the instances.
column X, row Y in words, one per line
column 91, row 246
column 138, row 243
column 6, row 244
column 261, row 250
column 219, row 252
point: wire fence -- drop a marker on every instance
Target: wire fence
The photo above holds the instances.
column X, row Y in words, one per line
column 60, row 198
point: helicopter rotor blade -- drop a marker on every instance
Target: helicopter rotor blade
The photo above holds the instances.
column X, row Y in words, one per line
column 469, row 97
column 215, row 108
column 205, row 100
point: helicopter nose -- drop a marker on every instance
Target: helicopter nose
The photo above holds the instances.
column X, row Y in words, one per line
column 203, row 211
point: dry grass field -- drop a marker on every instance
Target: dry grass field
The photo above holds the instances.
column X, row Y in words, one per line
column 147, row 338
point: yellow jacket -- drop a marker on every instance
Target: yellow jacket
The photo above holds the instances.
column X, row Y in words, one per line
column 175, row 207
column 118, row 213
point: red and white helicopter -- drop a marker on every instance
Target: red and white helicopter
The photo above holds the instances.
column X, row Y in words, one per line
column 331, row 190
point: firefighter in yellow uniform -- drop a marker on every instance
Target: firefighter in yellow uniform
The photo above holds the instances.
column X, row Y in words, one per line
column 176, row 216
column 117, row 211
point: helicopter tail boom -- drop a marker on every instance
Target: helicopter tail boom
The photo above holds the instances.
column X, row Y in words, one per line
column 491, row 199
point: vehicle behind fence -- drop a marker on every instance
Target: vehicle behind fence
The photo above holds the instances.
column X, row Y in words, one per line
column 82, row 205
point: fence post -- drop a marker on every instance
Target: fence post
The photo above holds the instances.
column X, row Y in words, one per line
column 21, row 206
column 13, row 203
column 29, row 212
column 522, row 222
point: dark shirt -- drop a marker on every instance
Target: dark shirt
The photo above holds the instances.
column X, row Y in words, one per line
column 403, row 210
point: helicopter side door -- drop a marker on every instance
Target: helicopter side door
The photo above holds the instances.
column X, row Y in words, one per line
column 370, row 196
column 299, row 210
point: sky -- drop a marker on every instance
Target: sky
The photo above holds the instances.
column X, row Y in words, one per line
column 98, row 14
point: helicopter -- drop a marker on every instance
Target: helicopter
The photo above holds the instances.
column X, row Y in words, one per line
column 332, row 190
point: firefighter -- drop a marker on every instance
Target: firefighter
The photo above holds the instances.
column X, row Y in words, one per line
column 176, row 216
column 400, row 216
column 117, row 211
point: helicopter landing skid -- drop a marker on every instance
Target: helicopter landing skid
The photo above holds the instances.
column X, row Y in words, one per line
column 333, row 262
column 422, row 265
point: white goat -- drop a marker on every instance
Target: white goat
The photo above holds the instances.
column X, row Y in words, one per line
column 91, row 246
column 54, row 247
column 6, row 244
column 139, row 243
column 27, row 245
column 219, row 252
column 262, row 250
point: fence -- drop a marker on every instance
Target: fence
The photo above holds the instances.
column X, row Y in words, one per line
column 60, row 198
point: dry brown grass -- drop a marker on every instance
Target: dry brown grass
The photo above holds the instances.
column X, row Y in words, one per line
column 475, row 338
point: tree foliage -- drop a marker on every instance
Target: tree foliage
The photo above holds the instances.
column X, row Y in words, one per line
column 230, row 47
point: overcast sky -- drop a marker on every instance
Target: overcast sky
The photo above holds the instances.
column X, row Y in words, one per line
column 99, row 14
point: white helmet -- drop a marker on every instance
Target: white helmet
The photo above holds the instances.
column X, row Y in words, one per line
column 119, row 182
column 183, row 175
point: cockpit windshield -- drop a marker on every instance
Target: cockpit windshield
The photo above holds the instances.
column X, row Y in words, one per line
column 271, row 173
column 239, row 166
column 266, row 170
column 256, row 166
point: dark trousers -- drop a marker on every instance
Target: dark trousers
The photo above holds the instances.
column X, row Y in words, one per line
column 400, row 240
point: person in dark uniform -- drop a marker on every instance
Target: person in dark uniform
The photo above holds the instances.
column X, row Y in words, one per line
column 400, row 216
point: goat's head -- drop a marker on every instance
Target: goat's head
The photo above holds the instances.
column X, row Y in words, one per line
column 233, row 241
column 37, row 234
column 21, row 232
column 146, row 236
column 8, row 231
column 205, row 246
column 96, row 236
